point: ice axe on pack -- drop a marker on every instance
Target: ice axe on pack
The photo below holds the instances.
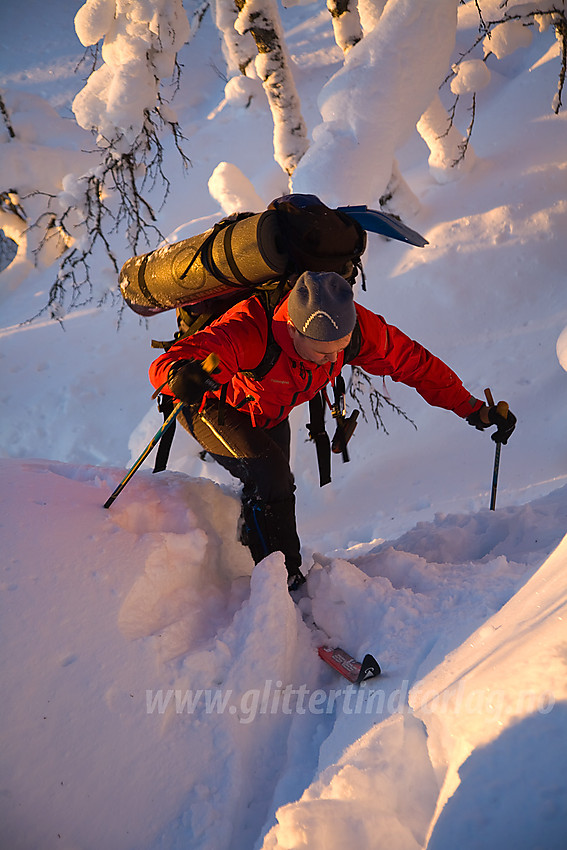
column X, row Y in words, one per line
column 345, row 424
column 502, row 409
column 209, row 364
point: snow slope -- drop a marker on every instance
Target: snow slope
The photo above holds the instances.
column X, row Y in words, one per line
column 161, row 694
column 154, row 697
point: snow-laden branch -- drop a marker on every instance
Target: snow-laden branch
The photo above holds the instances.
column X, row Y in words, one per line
column 448, row 148
column 508, row 25
column 139, row 50
column 6, row 118
column 125, row 105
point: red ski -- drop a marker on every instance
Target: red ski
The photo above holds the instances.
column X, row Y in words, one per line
column 348, row 666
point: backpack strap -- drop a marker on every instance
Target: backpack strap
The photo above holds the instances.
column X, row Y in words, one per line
column 165, row 406
column 353, row 348
column 269, row 299
column 188, row 323
column 318, row 433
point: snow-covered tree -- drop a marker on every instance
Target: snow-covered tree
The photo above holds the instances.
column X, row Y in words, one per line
column 406, row 54
column 124, row 105
column 359, row 104
column 261, row 19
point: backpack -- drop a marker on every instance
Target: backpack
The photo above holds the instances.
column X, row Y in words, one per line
column 256, row 253
column 243, row 253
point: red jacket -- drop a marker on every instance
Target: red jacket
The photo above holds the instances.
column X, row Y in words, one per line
column 239, row 338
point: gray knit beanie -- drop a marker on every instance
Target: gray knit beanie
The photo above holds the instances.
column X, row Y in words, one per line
column 321, row 306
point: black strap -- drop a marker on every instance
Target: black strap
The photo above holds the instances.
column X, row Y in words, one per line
column 227, row 245
column 269, row 300
column 353, row 348
column 227, row 224
column 142, row 282
column 200, row 251
column 318, row 434
column 165, row 406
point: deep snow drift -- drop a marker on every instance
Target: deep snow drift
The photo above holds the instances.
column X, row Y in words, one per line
column 161, row 694
column 155, row 697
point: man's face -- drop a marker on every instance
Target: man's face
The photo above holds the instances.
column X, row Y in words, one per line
column 317, row 351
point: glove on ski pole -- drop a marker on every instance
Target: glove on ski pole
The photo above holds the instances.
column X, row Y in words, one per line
column 500, row 415
column 494, row 414
column 189, row 380
column 505, row 421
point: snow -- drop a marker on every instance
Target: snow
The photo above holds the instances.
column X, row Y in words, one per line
column 506, row 38
column 414, row 39
column 562, row 348
column 159, row 692
column 233, row 190
column 470, row 76
column 93, row 20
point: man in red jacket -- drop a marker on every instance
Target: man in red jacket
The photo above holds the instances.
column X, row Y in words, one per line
column 315, row 330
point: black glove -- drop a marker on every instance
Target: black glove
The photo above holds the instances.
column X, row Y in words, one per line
column 505, row 424
column 188, row 381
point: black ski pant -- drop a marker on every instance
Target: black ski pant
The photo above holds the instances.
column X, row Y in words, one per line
column 259, row 458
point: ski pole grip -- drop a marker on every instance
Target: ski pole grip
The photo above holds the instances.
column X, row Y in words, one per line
column 501, row 408
column 209, row 364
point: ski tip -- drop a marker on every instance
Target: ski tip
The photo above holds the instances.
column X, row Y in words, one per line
column 345, row 664
column 385, row 224
column 369, row 668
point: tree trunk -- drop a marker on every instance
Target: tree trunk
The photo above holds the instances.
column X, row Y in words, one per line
column 261, row 19
column 239, row 50
column 346, row 23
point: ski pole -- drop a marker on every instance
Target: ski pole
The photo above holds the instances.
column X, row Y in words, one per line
column 155, row 439
column 209, row 364
column 502, row 409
